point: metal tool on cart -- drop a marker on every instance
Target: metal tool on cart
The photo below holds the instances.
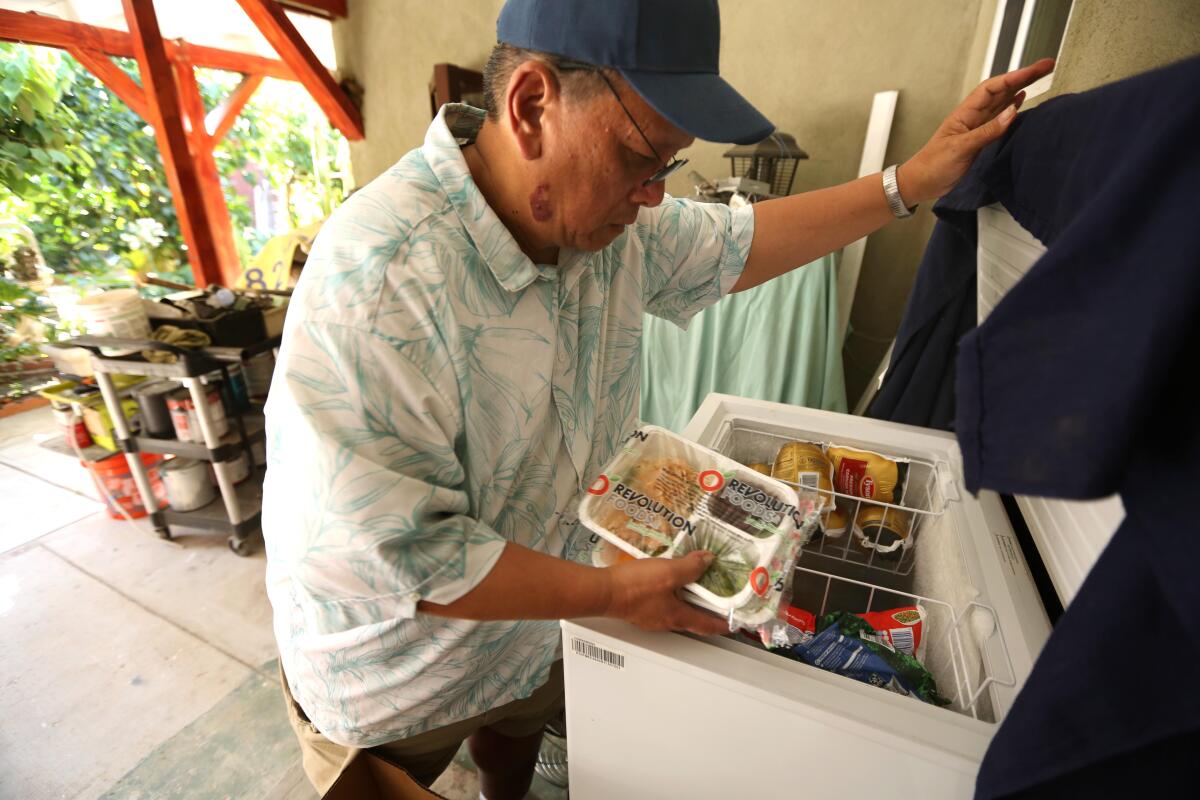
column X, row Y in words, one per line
column 242, row 509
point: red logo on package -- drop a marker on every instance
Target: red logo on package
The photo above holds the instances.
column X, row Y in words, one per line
column 711, row 480
column 760, row 581
column 599, row 486
column 852, row 478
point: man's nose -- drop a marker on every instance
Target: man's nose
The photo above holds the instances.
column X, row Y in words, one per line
column 648, row 196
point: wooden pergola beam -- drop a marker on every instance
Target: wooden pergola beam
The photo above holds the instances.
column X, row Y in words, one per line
column 277, row 29
column 169, row 100
column 168, row 118
column 113, row 77
column 221, row 119
column 32, row 28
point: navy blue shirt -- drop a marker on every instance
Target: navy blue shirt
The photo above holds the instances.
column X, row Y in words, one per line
column 1078, row 385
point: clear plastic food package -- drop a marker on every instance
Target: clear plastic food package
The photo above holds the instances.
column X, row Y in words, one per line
column 664, row 496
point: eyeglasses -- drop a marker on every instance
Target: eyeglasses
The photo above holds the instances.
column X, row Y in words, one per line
column 662, row 174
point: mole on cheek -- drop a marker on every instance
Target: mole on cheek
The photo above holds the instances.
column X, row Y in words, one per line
column 539, row 202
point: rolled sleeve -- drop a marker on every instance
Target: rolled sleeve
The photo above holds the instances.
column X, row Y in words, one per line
column 694, row 254
column 364, row 471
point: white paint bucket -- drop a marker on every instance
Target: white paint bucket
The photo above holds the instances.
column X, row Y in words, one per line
column 115, row 313
column 187, row 483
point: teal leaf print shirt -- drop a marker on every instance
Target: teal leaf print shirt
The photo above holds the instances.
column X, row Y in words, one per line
column 437, row 396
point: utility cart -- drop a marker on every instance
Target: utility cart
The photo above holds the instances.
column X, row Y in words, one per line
column 239, row 513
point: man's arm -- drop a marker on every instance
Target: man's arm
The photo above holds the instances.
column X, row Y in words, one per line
column 793, row 231
column 526, row 584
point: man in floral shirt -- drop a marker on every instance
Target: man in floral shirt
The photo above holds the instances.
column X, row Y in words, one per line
column 461, row 358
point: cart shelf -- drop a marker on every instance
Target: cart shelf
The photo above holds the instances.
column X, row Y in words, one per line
column 231, row 443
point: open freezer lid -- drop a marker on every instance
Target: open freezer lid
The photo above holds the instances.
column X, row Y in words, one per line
column 1069, row 535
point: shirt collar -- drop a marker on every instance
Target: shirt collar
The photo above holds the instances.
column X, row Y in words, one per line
column 454, row 126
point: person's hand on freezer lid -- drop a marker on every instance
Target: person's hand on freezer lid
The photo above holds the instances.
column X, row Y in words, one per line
column 979, row 120
column 796, row 230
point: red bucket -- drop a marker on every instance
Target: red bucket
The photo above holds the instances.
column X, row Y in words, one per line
column 113, row 475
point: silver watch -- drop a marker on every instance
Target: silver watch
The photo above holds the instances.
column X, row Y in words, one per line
column 891, row 190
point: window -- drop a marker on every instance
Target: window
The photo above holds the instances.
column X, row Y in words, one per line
column 1024, row 31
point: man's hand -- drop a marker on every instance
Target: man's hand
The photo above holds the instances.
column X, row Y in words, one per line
column 979, row 120
column 645, row 592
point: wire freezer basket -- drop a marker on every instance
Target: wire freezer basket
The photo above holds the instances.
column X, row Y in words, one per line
column 923, row 495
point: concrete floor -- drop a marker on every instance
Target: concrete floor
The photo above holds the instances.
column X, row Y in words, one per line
column 134, row 667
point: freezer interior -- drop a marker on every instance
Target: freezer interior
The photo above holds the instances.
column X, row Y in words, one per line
column 962, row 644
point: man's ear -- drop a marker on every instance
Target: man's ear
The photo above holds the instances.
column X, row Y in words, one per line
column 532, row 89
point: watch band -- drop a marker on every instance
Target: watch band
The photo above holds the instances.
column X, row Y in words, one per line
column 891, row 190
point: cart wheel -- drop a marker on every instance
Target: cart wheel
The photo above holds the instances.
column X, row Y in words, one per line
column 163, row 532
column 239, row 546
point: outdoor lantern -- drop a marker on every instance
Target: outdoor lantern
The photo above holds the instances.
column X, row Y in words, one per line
column 772, row 161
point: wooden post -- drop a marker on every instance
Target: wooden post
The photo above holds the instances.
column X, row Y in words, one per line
column 167, row 117
column 201, row 146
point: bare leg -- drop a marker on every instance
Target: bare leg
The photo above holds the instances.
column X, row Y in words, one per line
column 505, row 764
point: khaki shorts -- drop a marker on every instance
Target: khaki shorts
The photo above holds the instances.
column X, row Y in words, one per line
column 425, row 755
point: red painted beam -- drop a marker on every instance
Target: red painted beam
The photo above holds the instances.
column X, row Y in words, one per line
column 31, row 28
column 113, row 77
column 201, row 146
column 221, row 119
column 229, row 60
column 275, row 26
column 167, row 117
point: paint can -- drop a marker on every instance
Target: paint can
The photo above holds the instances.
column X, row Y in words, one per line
column 239, row 468
column 238, row 395
column 188, row 486
column 156, row 417
column 187, row 422
column 258, row 369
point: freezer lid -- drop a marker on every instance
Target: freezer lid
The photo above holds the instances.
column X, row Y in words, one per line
column 1069, row 535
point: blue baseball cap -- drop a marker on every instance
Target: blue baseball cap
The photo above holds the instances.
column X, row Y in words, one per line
column 667, row 50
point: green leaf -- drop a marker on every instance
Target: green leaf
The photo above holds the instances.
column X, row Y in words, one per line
column 25, row 109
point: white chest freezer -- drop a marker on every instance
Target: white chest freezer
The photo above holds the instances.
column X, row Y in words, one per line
column 670, row 715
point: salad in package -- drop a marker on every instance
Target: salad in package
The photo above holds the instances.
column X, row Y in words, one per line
column 663, row 496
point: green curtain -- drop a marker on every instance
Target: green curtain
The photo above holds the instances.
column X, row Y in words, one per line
column 778, row 341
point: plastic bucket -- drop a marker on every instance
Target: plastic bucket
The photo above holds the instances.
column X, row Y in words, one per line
column 115, row 313
column 113, row 477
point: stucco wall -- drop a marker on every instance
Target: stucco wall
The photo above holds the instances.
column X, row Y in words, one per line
column 389, row 47
column 813, row 67
column 1107, row 41
column 810, row 65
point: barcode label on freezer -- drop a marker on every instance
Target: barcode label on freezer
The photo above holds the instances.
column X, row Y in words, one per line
column 902, row 640
column 597, row 653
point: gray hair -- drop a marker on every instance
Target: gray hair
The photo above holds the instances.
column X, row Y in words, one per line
column 578, row 81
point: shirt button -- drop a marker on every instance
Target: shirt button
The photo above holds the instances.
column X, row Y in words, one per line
column 414, row 597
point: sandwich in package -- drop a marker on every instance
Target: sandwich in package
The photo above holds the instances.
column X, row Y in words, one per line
column 663, row 496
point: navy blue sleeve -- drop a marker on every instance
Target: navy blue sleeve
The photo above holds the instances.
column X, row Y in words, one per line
column 1056, row 387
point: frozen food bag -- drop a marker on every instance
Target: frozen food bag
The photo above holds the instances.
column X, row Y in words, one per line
column 664, row 496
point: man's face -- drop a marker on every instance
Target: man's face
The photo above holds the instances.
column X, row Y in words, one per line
column 591, row 184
